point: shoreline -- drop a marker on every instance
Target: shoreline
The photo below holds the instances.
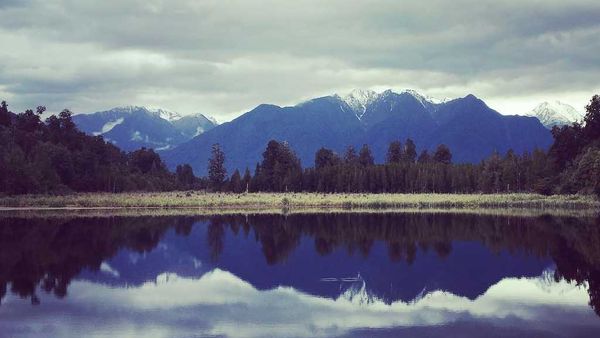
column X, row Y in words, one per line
column 202, row 202
column 204, row 212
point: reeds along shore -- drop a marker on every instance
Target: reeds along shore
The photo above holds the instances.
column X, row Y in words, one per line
column 195, row 199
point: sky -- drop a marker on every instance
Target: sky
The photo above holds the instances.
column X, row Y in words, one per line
column 224, row 57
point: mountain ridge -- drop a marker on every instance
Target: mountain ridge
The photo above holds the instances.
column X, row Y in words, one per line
column 467, row 125
column 133, row 127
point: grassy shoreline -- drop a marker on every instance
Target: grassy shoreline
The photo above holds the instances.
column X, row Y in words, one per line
column 271, row 201
column 63, row 213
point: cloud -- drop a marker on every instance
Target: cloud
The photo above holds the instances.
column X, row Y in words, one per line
column 224, row 57
column 221, row 304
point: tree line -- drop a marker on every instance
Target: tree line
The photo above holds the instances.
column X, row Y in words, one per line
column 403, row 172
column 53, row 156
column 571, row 165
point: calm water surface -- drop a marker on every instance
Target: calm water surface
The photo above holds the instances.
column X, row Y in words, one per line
column 321, row 275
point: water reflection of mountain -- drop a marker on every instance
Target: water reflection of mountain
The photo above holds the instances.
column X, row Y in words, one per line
column 399, row 256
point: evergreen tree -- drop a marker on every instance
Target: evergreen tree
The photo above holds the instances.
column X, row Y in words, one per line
column 410, row 151
column 585, row 175
column 246, row 180
column 235, row 183
column 394, row 153
column 442, row 154
column 591, row 130
column 568, row 142
column 490, row 178
column 326, row 158
column 146, row 161
column 424, row 157
column 365, row 158
column 5, row 115
column 350, row 156
column 511, row 172
column 256, row 182
column 280, row 169
column 185, row 176
column 217, row 173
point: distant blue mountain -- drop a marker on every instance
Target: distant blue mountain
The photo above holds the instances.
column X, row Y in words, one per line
column 133, row 127
column 467, row 125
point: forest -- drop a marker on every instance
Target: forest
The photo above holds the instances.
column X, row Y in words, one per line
column 52, row 156
column 55, row 157
column 571, row 165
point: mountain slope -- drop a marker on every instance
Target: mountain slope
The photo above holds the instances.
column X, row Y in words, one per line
column 467, row 125
column 555, row 114
column 307, row 126
column 473, row 131
column 134, row 127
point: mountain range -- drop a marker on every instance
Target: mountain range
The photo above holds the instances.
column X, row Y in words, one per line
column 133, row 127
column 556, row 113
column 467, row 125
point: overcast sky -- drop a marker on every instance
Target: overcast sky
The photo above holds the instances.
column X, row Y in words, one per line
column 224, row 57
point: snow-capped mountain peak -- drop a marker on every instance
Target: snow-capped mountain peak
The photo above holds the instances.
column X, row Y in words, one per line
column 162, row 113
column 555, row 113
column 126, row 109
column 359, row 100
column 211, row 119
column 166, row 114
column 425, row 99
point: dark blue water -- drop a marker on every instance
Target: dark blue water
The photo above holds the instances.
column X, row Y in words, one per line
column 325, row 275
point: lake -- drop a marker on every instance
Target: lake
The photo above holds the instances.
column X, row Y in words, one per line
column 300, row 275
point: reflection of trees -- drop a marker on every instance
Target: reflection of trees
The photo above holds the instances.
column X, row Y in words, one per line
column 573, row 266
column 573, row 243
column 50, row 253
column 215, row 236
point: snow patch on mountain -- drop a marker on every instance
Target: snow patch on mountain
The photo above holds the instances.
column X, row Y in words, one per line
column 137, row 136
column 162, row 113
column 211, row 119
column 359, row 100
column 109, row 126
column 425, row 99
column 555, row 113
column 199, row 130
column 166, row 114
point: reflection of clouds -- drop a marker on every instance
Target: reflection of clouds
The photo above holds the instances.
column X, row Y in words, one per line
column 220, row 303
column 106, row 268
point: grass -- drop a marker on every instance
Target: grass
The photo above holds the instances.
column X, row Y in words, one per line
column 194, row 212
column 291, row 201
